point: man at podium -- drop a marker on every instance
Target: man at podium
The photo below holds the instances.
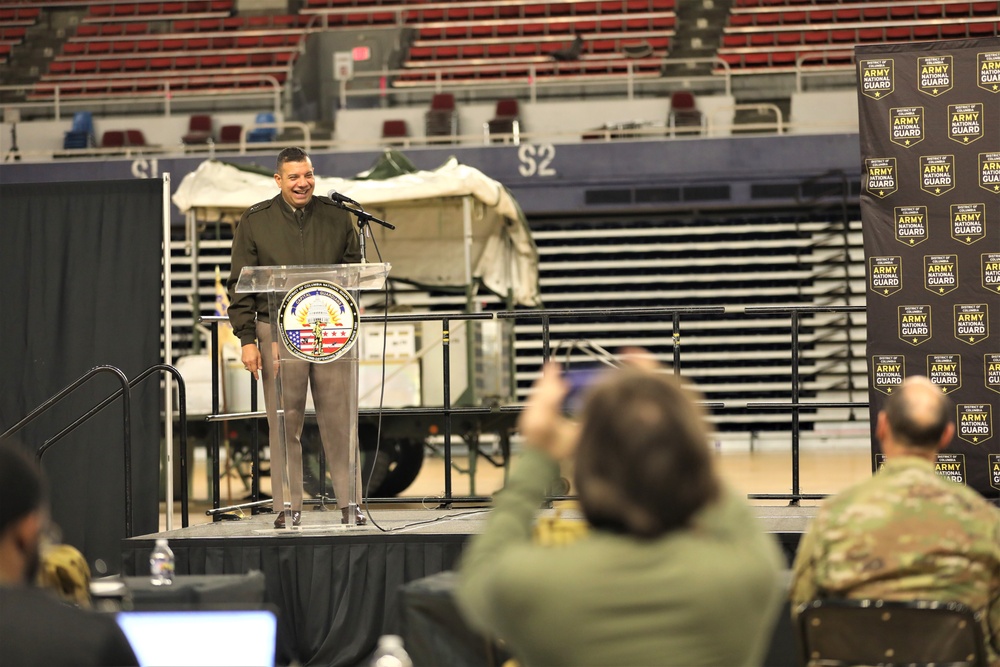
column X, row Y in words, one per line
column 295, row 228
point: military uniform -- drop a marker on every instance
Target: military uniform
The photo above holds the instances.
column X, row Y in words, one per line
column 905, row 534
column 270, row 234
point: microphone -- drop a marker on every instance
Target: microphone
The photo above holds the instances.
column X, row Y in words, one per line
column 342, row 199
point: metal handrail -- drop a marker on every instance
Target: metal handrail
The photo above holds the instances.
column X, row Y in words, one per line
column 126, row 427
column 164, row 96
column 547, row 315
column 795, row 312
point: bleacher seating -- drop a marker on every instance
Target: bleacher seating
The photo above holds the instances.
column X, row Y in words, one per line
column 122, row 47
column 14, row 24
column 517, row 38
column 208, row 49
column 103, row 13
column 773, row 35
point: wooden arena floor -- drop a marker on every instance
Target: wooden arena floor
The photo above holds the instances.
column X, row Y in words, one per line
column 823, row 470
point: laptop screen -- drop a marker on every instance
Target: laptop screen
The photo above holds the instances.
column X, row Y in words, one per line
column 209, row 637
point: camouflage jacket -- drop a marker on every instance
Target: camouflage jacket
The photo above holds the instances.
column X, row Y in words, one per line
column 905, row 534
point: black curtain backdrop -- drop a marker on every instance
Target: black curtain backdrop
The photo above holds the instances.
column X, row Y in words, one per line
column 80, row 269
column 930, row 148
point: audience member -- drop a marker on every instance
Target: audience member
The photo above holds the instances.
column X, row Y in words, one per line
column 907, row 533
column 675, row 569
column 36, row 628
column 64, row 570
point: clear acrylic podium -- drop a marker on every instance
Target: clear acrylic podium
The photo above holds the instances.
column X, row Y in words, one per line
column 314, row 318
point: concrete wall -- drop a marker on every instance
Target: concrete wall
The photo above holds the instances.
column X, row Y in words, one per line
column 553, row 122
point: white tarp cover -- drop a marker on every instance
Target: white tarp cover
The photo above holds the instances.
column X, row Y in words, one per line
column 428, row 245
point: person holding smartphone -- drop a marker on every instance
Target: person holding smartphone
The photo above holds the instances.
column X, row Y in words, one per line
column 674, row 570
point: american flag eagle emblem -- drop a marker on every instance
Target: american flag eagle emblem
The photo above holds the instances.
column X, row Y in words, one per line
column 318, row 321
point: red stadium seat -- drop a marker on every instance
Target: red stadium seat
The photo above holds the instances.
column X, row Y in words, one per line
column 902, row 13
column 982, row 29
column 954, row 31
column 783, row 59
column 113, row 139
column 135, row 138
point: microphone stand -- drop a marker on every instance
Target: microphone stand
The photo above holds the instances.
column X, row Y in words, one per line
column 364, row 217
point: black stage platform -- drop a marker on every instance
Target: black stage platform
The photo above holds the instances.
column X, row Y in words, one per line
column 337, row 589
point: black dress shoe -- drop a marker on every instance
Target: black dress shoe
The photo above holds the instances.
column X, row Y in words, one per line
column 359, row 518
column 279, row 521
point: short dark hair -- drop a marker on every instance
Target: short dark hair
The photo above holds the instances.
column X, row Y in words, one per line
column 910, row 421
column 291, row 154
column 21, row 488
column 642, row 465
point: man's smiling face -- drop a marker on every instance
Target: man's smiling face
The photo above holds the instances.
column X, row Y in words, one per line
column 296, row 181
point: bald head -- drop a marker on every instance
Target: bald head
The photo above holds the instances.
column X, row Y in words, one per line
column 918, row 416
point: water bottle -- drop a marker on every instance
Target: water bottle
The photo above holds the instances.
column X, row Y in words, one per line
column 161, row 563
column 390, row 653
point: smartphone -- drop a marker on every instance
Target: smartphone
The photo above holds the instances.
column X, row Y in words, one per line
column 580, row 378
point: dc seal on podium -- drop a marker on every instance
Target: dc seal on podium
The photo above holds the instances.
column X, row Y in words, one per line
column 318, row 321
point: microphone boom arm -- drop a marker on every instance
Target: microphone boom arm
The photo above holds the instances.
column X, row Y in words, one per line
column 364, row 217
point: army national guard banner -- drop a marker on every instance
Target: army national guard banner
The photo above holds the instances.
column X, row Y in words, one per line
column 930, row 208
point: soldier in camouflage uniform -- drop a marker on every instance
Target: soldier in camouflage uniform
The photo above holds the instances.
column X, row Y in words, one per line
column 907, row 533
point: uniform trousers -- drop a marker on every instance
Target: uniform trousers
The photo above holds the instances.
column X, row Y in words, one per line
column 330, row 384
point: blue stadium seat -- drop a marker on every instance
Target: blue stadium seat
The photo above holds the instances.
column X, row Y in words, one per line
column 81, row 133
column 263, row 133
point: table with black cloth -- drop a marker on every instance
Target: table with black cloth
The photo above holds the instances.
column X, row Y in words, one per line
column 192, row 591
